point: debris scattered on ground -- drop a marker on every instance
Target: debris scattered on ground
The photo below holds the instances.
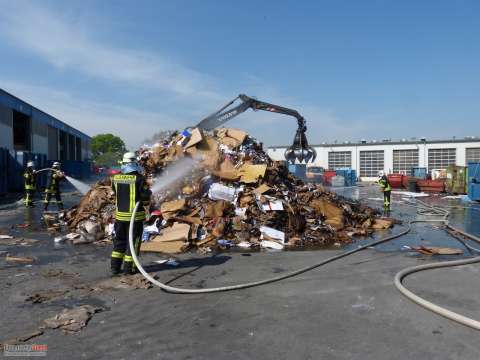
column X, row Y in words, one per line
column 58, row 273
column 45, row 296
column 169, row 262
column 230, row 194
column 22, row 338
column 129, row 282
column 72, row 320
column 19, row 259
column 432, row 250
column 17, row 241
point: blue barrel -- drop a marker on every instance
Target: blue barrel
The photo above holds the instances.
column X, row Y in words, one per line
column 473, row 179
column 299, row 170
column 419, row 173
column 349, row 174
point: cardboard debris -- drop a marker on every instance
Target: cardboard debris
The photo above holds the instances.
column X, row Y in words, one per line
column 227, row 171
column 235, row 193
column 252, row 173
column 72, row 320
column 171, row 240
column 45, row 296
column 262, row 189
column 130, row 282
column 19, row 259
column 21, row 339
column 171, row 206
column 196, row 137
column 432, row 250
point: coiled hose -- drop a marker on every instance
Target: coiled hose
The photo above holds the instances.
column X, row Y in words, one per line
column 424, row 209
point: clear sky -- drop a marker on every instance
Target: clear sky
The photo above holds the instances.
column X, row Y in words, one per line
column 354, row 69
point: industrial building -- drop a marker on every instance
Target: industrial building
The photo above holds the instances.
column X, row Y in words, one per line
column 369, row 157
column 27, row 133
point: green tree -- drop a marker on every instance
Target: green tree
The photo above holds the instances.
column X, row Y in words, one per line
column 107, row 148
column 108, row 159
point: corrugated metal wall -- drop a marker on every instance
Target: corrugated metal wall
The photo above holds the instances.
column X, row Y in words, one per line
column 52, row 143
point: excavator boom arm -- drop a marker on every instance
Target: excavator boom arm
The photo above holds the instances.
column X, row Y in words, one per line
column 298, row 151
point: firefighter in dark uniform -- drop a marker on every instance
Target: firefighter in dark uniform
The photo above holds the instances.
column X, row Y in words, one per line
column 386, row 188
column 30, row 184
column 53, row 186
column 129, row 187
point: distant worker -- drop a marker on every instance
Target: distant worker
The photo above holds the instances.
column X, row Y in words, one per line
column 30, row 183
column 53, row 186
column 129, row 187
column 386, row 188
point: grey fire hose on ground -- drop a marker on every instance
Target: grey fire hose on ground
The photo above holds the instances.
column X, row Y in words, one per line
column 424, row 209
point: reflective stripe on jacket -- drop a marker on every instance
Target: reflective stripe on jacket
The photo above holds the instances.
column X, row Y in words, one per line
column 129, row 189
column 29, row 180
column 53, row 181
column 384, row 184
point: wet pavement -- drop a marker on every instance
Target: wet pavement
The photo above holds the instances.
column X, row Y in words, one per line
column 346, row 310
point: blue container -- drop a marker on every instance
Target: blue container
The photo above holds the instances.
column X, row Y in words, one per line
column 349, row 174
column 473, row 181
column 419, row 173
column 299, row 170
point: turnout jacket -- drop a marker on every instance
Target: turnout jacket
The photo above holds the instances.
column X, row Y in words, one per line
column 53, row 181
column 384, row 184
column 130, row 189
column 29, row 177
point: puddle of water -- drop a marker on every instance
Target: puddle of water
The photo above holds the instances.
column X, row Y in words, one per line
column 465, row 216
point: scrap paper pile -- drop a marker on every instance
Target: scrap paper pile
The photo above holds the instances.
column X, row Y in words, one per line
column 229, row 193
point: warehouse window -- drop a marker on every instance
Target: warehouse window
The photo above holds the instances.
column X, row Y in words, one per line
column 21, row 131
column 441, row 158
column 371, row 162
column 472, row 155
column 339, row 159
column 404, row 160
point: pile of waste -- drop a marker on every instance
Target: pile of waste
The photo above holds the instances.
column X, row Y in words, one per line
column 217, row 190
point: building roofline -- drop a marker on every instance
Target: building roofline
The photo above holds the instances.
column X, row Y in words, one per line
column 52, row 120
column 380, row 143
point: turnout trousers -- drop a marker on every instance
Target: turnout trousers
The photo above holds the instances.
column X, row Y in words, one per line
column 121, row 250
column 29, row 197
column 58, row 198
column 386, row 198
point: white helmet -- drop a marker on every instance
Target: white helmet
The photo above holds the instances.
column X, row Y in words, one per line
column 129, row 157
column 56, row 165
column 381, row 173
column 30, row 164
